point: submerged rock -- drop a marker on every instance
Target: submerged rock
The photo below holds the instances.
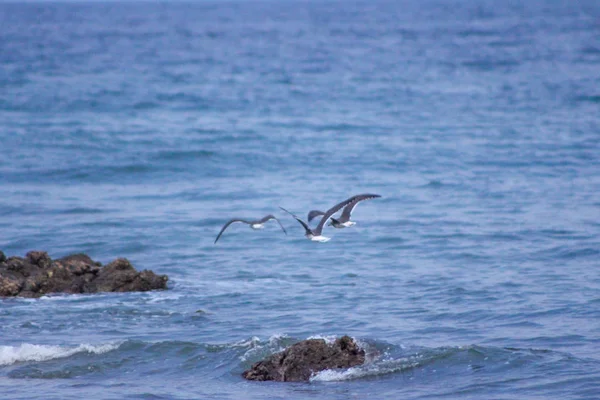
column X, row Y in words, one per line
column 37, row 274
column 300, row 361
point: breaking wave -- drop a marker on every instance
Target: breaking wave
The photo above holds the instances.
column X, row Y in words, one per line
column 367, row 370
column 258, row 348
column 34, row 352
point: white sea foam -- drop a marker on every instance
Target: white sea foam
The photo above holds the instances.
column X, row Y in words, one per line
column 375, row 369
column 273, row 345
column 159, row 297
column 252, row 342
column 328, row 339
column 276, row 338
column 35, row 352
column 68, row 298
column 330, row 375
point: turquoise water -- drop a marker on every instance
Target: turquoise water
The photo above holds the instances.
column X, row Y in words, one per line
column 138, row 129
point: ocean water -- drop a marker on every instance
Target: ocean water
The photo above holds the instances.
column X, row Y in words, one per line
column 138, row 129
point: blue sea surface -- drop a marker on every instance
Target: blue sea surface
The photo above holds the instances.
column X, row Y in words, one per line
column 138, row 129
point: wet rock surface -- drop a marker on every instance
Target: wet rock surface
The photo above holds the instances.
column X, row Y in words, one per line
column 37, row 275
column 299, row 362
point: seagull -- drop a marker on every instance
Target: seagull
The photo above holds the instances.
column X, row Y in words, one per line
column 344, row 220
column 315, row 234
column 260, row 224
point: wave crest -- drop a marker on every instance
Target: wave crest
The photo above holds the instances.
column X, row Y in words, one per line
column 35, row 352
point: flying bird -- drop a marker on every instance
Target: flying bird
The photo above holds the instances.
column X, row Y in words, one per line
column 344, row 220
column 260, row 224
column 316, row 234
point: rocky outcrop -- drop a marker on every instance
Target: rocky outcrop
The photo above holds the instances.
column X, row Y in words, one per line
column 37, row 274
column 300, row 361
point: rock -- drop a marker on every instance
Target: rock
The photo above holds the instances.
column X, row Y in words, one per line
column 9, row 286
column 37, row 274
column 39, row 258
column 120, row 276
column 300, row 361
column 20, row 266
column 79, row 264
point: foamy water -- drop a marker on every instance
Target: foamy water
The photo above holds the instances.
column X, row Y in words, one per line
column 34, row 352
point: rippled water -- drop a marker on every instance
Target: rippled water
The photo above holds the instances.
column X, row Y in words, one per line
column 138, row 129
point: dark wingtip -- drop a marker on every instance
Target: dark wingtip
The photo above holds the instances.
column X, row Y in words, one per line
column 281, row 225
column 369, row 196
column 286, row 210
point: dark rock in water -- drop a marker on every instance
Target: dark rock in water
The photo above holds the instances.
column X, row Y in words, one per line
column 37, row 274
column 300, row 361
column 120, row 276
column 39, row 258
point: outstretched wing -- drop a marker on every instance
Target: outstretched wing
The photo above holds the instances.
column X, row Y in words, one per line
column 348, row 209
column 229, row 223
column 306, row 227
column 313, row 214
column 351, row 201
column 270, row 216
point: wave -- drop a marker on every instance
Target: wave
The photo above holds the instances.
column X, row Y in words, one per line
column 81, row 210
column 177, row 155
column 221, row 360
column 386, row 363
column 35, row 352
column 258, row 349
column 383, row 368
column 385, row 359
column 588, row 99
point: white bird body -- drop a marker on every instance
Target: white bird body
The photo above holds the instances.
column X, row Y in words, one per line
column 319, row 238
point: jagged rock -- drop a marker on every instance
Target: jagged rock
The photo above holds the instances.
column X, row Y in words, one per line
column 120, row 276
column 300, row 361
column 9, row 286
column 39, row 258
column 37, row 274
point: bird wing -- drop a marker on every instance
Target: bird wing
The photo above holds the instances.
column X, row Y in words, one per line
column 348, row 209
column 351, row 201
column 270, row 216
column 306, row 227
column 231, row 221
column 313, row 214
